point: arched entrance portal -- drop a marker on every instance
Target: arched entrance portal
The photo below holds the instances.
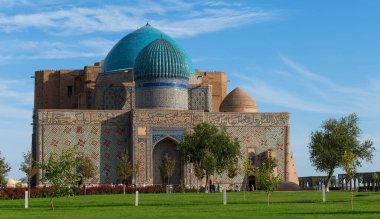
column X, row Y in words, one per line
column 166, row 146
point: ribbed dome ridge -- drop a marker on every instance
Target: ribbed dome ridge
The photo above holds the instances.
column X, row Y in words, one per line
column 122, row 56
column 161, row 59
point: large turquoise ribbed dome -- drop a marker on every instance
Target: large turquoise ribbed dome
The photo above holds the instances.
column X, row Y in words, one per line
column 161, row 59
column 122, row 56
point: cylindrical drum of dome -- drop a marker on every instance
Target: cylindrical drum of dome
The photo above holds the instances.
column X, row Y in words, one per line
column 161, row 74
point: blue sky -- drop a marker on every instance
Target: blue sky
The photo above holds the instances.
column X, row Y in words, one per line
column 314, row 59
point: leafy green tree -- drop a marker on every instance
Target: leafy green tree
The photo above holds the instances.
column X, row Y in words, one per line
column 232, row 171
column 29, row 167
column 349, row 165
column 124, row 169
column 327, row 146
column 266, row 177
column 248, row 170
column 86, row 169
column 210, row 149
column 167, row 168
column 4, row 170
column 60, row 172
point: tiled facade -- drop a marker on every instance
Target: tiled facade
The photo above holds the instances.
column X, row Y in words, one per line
column 162, row 97
column 200, row 98
column 101, row 135
column 118, row 97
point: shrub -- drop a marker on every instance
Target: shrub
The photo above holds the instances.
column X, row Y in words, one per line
column 43, row 192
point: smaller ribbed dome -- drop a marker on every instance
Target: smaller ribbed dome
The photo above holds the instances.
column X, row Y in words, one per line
column 161, row 59
column 238, row 101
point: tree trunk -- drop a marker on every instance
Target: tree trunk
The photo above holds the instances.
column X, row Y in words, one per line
column 206, row 186
column 350, row 184
column 52, row 201
column 268, row 194
column 352, row 200
column 124, row 188
column 85, row 189
column 327, row 185
column 28, row 188
column 245, row 186
column 374, row 183
column 197, row 185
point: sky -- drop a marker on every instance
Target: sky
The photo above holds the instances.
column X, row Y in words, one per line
column 314, row 59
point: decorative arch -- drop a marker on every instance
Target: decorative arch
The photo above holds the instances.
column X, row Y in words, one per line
column 166, row 145
column 160, row 138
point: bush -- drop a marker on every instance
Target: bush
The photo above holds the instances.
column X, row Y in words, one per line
column 43, row 192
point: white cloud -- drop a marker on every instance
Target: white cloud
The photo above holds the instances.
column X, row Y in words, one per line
column 318, row 92
column 13, row 3
column 317, row 78
column 263, row 92
column 16, row 100
column 170, row 16
column 12, row 92
column 364, row 100
column 215, row 21
column 10, row 114
column 67, row 22
column 32, row 50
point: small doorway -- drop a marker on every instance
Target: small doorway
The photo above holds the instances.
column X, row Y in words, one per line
column 252, row 182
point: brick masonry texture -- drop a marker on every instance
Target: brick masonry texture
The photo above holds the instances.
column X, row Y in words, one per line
column 103, row 134
column 100, row 135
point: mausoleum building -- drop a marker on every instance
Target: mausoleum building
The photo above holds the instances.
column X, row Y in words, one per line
column 142, row 98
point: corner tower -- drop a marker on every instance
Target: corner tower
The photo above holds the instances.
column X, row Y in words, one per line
column 161, row 74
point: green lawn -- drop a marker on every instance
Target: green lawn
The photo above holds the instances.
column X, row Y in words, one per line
column 192, row 205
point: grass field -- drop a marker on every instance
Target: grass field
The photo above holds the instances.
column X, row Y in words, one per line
column 192, row 205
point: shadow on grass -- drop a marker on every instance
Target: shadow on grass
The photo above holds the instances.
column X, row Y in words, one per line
column 335, row 213
column 361, row 195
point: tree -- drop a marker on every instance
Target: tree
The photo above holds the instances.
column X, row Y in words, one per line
column 327, row 146
column 349, row 165
column 266, row 177
column 124, row 169
column 232, row 171
column 29, row 167
column 60, row 172
column 248, row 170
column 199, row 173
column 375, row 178
column 4, row 170
column 136, row 169
column 86, row 169
column 210, row 149
column 167, row 168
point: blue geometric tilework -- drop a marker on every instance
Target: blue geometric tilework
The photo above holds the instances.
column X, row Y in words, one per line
column 161, row 97
column 100, row 136
column 117, row 97
column 258, row 131
column 142, row 156
column 159, row 134
column 199, row 99
column 261, row 139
